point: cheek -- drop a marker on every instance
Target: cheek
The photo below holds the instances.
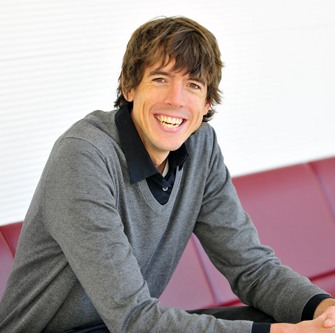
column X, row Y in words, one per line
column 145, row 112
column 199, row 105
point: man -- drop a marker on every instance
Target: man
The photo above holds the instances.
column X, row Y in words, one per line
column 120, row 196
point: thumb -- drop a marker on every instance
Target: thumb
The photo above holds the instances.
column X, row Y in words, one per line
column 329, row 320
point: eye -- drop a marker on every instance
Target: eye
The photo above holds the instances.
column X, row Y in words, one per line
column 159, row 79
column 194, row 85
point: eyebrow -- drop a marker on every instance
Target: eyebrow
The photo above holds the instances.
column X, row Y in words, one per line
column 168, row 74
column 198, row 79
column 159, row 72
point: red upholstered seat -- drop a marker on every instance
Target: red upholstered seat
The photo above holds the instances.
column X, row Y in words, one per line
column 12, row 232
column 9, row 235
column 325, row 171
column 290, row 212
column 6, row 261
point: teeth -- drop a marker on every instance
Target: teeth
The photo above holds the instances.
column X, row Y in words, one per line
column 169, row 122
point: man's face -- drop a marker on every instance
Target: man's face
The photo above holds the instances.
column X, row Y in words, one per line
column 167, row 108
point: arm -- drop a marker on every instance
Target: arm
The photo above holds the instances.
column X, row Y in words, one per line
column 232, row 243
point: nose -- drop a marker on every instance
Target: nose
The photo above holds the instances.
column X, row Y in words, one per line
column 175, row 95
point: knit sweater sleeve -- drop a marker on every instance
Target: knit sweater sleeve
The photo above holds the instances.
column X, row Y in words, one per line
column 81, row 215
column 231, row 241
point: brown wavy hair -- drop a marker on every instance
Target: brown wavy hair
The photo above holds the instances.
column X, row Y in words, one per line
column 193, row 47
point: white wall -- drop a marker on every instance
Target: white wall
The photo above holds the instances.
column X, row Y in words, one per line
column 59, row 60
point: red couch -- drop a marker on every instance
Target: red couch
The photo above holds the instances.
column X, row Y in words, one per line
column 9, row 236
column 293, row 209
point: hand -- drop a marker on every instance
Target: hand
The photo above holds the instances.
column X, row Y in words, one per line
column 323, row 323
column 323, row 307
column 329, row 320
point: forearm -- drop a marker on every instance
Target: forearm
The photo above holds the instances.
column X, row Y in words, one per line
column 312, row 326
column 282, row 328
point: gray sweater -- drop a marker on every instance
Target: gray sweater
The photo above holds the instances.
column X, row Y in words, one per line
column 94, row 248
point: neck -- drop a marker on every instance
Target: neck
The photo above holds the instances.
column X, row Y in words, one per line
column 158, row 159
column 159, row 164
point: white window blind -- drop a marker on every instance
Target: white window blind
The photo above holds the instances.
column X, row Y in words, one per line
column 60, row 60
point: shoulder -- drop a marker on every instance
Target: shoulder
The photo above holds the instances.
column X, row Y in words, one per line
column 91, row 145
column 97, row 129
column 96, row 124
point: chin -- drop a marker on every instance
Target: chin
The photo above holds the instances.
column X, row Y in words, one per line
column 173, row 148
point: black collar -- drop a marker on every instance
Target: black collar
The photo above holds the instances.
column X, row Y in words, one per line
column 139, row 162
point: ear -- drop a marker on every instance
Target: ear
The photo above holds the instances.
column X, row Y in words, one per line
column 207, row 107
column 127, row 95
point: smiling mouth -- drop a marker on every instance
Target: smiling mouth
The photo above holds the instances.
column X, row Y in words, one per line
column 169, row 122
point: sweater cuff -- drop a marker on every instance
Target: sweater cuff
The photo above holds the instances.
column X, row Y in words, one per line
column 311, row 306
column 261, row 328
